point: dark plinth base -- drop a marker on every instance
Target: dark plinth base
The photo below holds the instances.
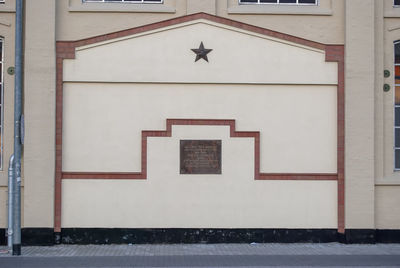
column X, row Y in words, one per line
column 3, row 237
column 47, row 236
column 16, row 249
column 161, row 236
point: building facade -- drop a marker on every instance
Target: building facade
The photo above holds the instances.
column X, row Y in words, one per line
column 205, row 120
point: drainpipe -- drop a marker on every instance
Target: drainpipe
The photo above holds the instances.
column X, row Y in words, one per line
column 16, row 248
column 11, row 193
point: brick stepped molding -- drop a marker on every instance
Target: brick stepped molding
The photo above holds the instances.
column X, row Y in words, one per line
column 203, row 122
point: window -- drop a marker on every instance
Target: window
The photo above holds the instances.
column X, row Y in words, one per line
column 1, row 99
column 397, row 106
column 397, row 2
column 290, row 2
column 125, row 1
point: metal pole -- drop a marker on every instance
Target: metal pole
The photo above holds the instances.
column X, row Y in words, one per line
column 11, row 192
column 16, row 249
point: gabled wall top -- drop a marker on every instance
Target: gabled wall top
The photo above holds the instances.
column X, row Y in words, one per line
column 162, row 53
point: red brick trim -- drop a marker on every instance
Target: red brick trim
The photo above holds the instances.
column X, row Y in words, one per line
column 335, row 53
column 66, row 50
column 208, row 122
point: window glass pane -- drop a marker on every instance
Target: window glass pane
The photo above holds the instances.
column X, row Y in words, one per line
column 397, row 116
column 397, row 96
column 307, row 2
column 1, row 144
column 397, row 74
column 287, row 1
column 268, row 1
column 248, row 1
column 396, row 2
column 397, row 137
column 152, row 1
column 1, row 49
column 397, row 53
column 1, row 72
column 397, row 159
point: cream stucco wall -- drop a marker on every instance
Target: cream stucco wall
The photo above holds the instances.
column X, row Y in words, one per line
column 387, row 209
column 288, row 92
column 142, row 58
column 324, row 23
column 7, row 29
column 369, row 111
column 39, row 110
column 297, row 123
column 387, row 181
column 77, row 21
column 170, row 200
column 359, row 124
column 207, row 6
column 370, row 28
column 369, row 135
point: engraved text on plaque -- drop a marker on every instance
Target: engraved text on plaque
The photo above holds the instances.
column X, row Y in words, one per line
column 200, row 156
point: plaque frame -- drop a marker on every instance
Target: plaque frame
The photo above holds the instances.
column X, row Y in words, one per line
column 200, row 157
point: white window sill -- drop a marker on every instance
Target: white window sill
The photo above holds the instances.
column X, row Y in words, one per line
column 120, row 7
column 280, row 9
column 7, row 8
column 395, row 13
column 391, row 180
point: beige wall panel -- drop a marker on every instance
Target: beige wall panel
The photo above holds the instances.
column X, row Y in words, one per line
column 146, row 59
column 4, row 207
column 379, row 93
column 39, row 109
column 324, row 23
column 297, row 123
column 392, row 34
column 170, row 200
column 387, row 207
column 76, row 21
column 360, row 99
column 84, row 22
column 195, row 6
column 7, row 32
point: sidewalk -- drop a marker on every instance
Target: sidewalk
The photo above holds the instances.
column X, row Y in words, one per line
column 207, row 249
column 206, row 255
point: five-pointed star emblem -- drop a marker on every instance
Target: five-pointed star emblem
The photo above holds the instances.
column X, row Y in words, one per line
column 201, row 52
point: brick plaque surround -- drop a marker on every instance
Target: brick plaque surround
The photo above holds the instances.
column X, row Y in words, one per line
column 200, row 157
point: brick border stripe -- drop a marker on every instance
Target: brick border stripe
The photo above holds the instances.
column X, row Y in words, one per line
column 66, row 50
column 335, row 53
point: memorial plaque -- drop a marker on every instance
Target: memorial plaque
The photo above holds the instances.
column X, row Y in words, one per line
column 200, row 156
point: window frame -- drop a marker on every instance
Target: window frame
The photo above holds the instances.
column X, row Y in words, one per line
column 395, row 106
column 278, row 3
column 2, row 102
